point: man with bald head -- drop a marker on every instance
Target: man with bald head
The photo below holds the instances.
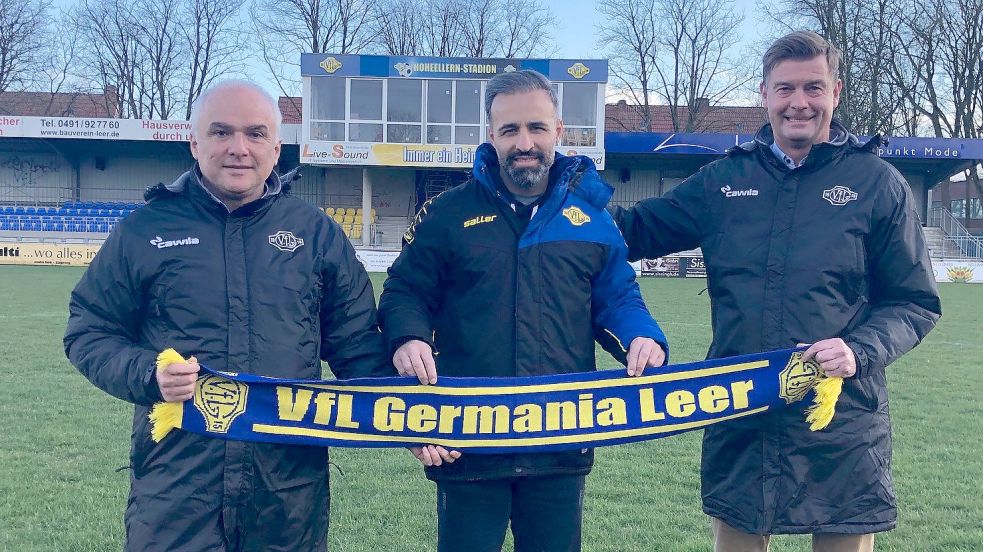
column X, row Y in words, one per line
column 230, row 270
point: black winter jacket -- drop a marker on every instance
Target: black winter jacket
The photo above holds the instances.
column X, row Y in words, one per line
column 496, row 298
column 833, row 248
column 272, row 288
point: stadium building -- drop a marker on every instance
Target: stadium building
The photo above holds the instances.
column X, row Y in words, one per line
column 376, row 136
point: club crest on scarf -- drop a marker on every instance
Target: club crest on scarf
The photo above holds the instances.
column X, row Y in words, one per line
column 797, row 378
column 220, row 401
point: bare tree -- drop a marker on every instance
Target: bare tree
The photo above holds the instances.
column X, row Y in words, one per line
column 401, row 27
column 286, row 28
column 629, row 29
column 439, row 33
column 60, row 75
column 525, row 29
column 212, row 44
column 112, row 53
column 157, row 34
column 22, row 34
column 679, row 52
column 505, row 28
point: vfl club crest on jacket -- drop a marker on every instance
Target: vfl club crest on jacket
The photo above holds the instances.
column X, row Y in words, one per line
column 220, row 401
column 286, row 241
column 576, row 216
column 839, row 195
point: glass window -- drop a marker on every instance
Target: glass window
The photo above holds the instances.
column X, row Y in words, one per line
column 439, row 101
column 958, row 207
column 467, row 135
column 334, row 132
column 403, row 134
column 405, row 101
column 328, row 95
column 579, row 137
column 468, row 109
column 362, row 132
column 975, row 209
column 438, row 134
column 366, row 101
column 579, row 104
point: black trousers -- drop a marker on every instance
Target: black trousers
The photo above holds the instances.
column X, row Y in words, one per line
column 545, row 512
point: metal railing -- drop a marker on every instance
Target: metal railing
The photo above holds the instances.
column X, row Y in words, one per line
column 955, row 233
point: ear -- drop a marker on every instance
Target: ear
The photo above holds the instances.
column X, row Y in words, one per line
column 559, row 132
column 276, row 150
column 194, row 146
column 837, row 88
column 764, row 94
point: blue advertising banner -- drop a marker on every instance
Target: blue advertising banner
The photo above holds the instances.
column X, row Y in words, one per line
column 558, row 70
column 897, row 147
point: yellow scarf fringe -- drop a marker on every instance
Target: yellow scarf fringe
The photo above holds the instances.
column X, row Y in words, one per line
column 824, row 404
column 166, row 416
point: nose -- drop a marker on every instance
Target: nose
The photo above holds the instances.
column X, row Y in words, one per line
column 798, row 99
column 237, row 145
column 524, row 141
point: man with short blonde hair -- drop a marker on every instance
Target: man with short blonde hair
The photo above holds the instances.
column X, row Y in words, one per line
column 825, row 248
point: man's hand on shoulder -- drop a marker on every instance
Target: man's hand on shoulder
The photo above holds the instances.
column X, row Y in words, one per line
column 415, row 358
column 177, row 381
column 644, row 352
column 834, row 356
column 432, row 455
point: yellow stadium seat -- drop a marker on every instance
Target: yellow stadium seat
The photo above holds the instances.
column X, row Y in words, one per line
column 356, row 232
column 329, row 211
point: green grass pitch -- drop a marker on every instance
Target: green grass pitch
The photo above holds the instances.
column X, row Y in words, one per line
column 63, row 442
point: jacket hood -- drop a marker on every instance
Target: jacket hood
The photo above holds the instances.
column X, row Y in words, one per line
column 275, row 184
column 838, row 136
column 574, row 172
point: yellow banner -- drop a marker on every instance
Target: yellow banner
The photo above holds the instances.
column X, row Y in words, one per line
column 55, row 254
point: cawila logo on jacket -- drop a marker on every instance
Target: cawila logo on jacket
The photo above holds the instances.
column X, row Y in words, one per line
column 286, row 241
column 839, row 195
column 161, row 243
column 728, row 192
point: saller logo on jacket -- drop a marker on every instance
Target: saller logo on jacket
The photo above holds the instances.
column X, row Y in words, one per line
column 839, row 195
column 286, row 241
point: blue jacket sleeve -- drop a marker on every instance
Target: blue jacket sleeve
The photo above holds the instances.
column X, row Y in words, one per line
column 619, row 312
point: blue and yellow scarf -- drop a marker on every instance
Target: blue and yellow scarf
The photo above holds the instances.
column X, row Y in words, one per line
column 493, row 415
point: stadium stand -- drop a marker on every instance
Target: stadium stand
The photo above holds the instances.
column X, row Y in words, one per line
column 71, row 216
column 350, row 219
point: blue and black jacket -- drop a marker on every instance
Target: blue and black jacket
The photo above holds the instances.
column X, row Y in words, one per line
column 496, row 296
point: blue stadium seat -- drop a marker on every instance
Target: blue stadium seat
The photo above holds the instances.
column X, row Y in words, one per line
column 35, row 226
column 8, row 210
column 104, row 227
column 92, row 227
column 47, row 225
column 30, row 211
column 18, row 210
column 4, row 225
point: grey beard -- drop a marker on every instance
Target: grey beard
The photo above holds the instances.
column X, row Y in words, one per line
column 527, row 178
